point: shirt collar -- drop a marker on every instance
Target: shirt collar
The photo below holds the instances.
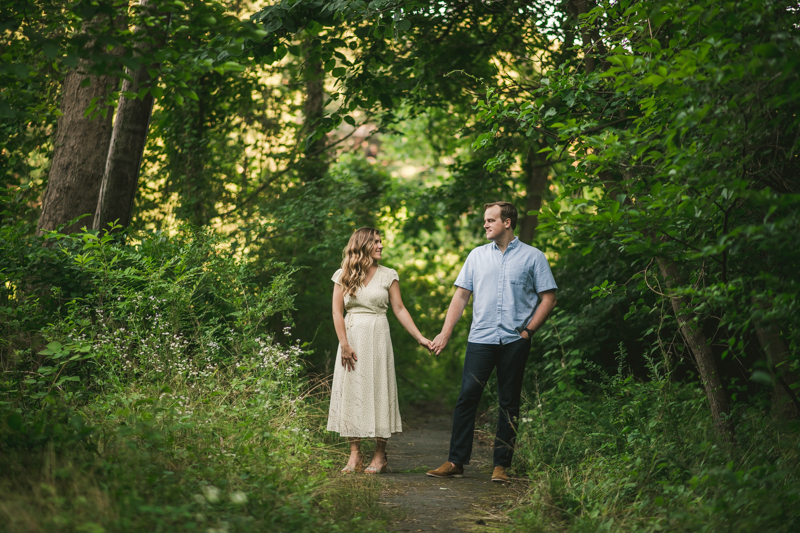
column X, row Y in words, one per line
column 512, row 244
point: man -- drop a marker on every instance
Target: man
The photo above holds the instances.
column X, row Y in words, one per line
column 514, row 293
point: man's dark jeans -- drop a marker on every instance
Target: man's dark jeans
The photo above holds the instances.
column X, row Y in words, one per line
column 480, row 360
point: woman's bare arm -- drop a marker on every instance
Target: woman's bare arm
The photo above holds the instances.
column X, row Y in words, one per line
column 403, row 316
column 348, row 355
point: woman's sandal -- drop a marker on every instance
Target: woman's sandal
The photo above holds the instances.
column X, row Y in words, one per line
column 352, row 469
column 381, row 470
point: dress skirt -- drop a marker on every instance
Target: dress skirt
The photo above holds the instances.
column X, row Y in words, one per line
column 364, row 401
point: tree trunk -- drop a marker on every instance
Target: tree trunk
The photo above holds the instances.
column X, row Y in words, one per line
column 316, row 163
column 196, row 194
column 80, row 149
column 698, row 345
column 590, row 37
column 536, row 170
column 784, row 400
column 121, row 175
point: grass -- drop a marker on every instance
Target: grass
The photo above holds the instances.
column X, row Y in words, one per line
column 643, row 456
column 228, row 457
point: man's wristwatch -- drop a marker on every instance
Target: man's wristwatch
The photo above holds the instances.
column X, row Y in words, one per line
column 530, row 332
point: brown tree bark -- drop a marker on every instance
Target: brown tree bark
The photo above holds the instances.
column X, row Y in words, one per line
column 194, row 203
column 316, row 163
column 590, row 37
column 121, row 174
column 698, row 344
column 536, row 173
column 80, row 149
column 785, row 403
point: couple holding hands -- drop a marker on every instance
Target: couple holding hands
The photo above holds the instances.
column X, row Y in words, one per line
column 513, row 293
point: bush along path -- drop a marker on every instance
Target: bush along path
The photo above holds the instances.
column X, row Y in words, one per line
column 424, row 503
column 143, row 390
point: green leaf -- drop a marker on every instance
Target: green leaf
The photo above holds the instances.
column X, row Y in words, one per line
column 386, row 100
column 760, row 376
column 403, row 25
column 654, row 79
column 50, row 50
column 769, row 50
column 339, row 72
column 350, row 120
column 15, row 421
column 273, row 25
column 71, row 60
column 232, row 66
column 52, row 348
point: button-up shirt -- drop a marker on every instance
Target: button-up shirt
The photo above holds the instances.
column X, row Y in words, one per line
column 505, row 289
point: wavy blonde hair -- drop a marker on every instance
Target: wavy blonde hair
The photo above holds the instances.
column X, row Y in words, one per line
column 356, row 259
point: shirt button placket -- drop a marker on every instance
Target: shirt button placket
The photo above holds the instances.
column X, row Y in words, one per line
column 500, row 296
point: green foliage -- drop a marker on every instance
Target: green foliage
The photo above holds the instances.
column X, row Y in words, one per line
column 670, row 134
column 672, row 143
column 161, row 400
column 642, row 456
column 241, row 456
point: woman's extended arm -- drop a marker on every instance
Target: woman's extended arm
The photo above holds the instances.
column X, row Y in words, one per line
column 403, row 316
column 348, row 355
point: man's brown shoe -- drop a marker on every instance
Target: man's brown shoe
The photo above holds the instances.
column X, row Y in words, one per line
column 447, row 470
column 499, row 475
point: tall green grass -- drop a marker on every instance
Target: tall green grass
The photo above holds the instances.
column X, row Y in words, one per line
column 642, row 455
column 143, row 390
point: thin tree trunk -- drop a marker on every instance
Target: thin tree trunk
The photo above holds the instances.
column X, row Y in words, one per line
column 121, row 175
column 698, row 344
column 590, row 37
column 316, row 162
column 784, row 400
column 195, row 188
column 536, row 171
column 80, row 149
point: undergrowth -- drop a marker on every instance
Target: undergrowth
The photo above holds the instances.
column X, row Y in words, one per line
column 642, row 455
column 143, row 390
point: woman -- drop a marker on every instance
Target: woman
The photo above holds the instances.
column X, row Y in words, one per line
column 364, row 391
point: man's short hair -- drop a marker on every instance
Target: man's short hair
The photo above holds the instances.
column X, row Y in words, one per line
column 507, row 210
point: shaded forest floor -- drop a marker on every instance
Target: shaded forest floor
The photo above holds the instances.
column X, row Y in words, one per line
column 418, row 502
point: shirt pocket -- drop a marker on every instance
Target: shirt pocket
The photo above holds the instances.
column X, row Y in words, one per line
column 521, row 286
column 519, row 276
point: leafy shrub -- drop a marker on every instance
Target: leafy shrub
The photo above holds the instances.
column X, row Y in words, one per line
column 152, row 396
column 640, row 455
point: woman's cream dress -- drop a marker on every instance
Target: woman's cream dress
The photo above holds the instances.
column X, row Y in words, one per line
column 364, row 400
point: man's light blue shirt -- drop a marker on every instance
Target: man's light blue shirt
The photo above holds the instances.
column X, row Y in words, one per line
column 505, row 289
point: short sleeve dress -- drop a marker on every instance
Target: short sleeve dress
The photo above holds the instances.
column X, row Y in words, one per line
column 364, row 400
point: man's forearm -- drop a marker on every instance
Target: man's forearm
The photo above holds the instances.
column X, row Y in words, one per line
column 543, row 311
column 456, row 309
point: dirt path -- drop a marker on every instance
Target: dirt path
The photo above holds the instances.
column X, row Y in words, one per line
column 471, row 503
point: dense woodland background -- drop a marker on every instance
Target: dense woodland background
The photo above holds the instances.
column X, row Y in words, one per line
column 179, row 179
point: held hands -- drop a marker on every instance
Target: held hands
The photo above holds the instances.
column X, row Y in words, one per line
column 439, row 343
column 425, row 343
column 348, row 358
